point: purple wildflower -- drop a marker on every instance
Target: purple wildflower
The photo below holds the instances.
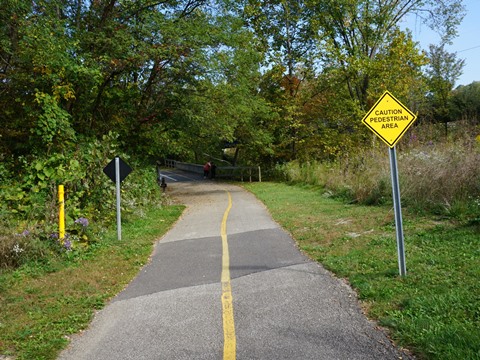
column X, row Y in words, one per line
column 54, row 236
column 68, row 245
column 82, row 221
column 25, row 233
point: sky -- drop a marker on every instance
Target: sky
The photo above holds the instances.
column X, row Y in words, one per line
column 466, row 45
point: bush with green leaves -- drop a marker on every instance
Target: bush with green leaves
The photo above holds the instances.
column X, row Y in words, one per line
column 29, row 199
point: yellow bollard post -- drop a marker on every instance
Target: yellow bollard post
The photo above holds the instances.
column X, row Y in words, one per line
column 61, row 213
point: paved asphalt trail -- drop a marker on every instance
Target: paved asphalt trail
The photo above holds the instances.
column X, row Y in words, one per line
column 284, row 305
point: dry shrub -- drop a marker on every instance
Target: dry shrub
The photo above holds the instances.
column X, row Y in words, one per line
column 17, row 249
column 361, row 177
column 367, row 174
column 440, row 175
column 11, row 250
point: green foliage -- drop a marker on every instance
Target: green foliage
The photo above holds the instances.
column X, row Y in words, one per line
column 80, row 170
column 162, row 76
column 53, row 124
column 398, row 69
column 466, row 102
column 443, row 70
column 74, row 70
column 364, row 47
column 30, row 200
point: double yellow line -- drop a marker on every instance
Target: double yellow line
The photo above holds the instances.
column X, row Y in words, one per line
column 229, row 339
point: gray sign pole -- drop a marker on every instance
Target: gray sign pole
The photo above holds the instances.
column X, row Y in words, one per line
column 398, row 212
column 117, row 183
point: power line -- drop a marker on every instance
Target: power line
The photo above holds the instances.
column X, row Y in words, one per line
column 475, row 47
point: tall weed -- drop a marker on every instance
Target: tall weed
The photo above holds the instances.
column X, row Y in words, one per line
column 440, row 177
column 362, row 177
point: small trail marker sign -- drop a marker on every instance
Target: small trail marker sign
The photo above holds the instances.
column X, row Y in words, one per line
column 110, row 169
column 117, row 170
column 389, row 119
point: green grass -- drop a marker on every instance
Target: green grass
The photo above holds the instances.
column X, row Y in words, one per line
column 435, row 310
column 43, row 303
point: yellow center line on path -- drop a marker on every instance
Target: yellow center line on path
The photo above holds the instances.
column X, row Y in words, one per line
column 229, row 340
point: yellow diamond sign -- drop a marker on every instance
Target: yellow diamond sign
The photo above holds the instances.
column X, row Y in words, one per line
column 389, row 119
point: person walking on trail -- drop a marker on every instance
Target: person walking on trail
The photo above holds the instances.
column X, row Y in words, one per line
column 213, row 170
column 206, row 169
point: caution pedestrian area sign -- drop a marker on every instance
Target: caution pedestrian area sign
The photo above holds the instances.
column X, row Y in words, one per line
column 389, row 119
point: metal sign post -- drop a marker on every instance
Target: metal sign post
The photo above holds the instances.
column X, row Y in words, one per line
column 117, row 170
column 117, row 185
column 398, row 211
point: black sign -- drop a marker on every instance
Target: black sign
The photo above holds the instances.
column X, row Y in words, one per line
column 109, row 170
column 230, row 144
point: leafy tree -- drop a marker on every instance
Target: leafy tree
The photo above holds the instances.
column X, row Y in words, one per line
column 354, row 34
column 353, row 49
column 285, row 30
column 334, row 126
column 443, row 70
column 398, row 68
column 164, row 74
column 85, row 67
column 466, row 102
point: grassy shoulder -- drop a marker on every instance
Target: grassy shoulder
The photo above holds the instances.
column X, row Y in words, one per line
column 435, row 309
column 45, row 302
